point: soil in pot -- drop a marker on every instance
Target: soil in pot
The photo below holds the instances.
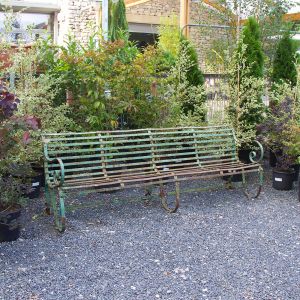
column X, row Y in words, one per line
column 10, row 226
column 283, row 179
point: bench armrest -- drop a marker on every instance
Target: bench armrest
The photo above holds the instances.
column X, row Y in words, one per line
column 58, row 175
column 253, row 153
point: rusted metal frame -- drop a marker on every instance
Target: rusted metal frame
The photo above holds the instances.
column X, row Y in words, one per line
column 58, row 208
column 163, row 196
column 156, row 138
column 229, row 172
column 186, row 175
column 166, row 175
column 260, row 186
column 155, row 180
column 141, row 137
column 126, row 139
column 223, row 171
column 253, row 154
column 103, row 163
column 214, row 143
column 137, row 170
column 225, row 152
column 153, row 156
column 115, row 132
column 136, row 164
column 222, row 167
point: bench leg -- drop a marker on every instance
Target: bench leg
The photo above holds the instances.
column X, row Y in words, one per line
column 259, row 189
column 58, row 207
column 148, row 195
column 163, row 196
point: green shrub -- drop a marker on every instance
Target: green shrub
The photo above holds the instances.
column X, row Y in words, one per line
column 254, row 56
column 284, row 65
column 118, row 22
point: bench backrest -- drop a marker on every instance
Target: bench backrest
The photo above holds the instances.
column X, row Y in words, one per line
column 115, row 153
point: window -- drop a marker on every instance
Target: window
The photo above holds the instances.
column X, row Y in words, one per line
column 25, row 27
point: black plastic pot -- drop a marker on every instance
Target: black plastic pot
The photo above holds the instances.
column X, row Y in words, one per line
column 299, row 191
column 244, row 155
column 10, row 226
column 297, row 169
column 283, row 179
column 40, row 172
column 31, row 177
column 35, row 189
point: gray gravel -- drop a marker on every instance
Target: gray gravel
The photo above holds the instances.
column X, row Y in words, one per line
column 218, row 246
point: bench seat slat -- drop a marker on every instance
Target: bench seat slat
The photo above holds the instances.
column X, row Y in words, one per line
column 156, row 177
column 224, row 166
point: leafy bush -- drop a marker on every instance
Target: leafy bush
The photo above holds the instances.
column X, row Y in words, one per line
column 14, row 135
column 38, row 92
column 280, row 130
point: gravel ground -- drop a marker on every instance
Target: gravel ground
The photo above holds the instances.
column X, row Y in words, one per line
column 218, row 246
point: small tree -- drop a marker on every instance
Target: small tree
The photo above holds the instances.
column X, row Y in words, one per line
column 284, row 65
column 118, row 23
column 254, row 56
column 194, row 75
column 246, row 83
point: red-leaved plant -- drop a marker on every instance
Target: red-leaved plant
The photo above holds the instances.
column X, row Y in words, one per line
column 14, row 133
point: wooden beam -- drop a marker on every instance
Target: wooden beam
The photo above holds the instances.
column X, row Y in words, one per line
column 130, row 3
column 184, row 15
column 143, row 19
column 291, row 17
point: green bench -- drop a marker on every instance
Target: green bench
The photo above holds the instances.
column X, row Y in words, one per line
column 113, row 160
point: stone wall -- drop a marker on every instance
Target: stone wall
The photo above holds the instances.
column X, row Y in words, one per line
column 203, row 38
column 159, row 8
column 80, row 16
column 206, row 39
column 77, row 17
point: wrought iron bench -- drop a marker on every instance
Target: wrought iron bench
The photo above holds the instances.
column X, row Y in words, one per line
column 113, row 160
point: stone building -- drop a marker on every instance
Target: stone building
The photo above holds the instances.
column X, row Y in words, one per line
column 79, row 17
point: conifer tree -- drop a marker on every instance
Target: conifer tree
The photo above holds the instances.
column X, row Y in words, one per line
column 118, row 23
column 254, row 56
column 194, row 76
column 284, row 68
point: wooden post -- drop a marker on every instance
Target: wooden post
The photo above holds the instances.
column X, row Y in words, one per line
column 184, row 16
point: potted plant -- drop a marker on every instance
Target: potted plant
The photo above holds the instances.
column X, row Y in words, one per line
column 13, row 135
column 279, row 132
column 246, row 88
column 11, row 202
column 293, row 147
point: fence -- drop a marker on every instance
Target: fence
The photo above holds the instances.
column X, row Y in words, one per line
column 217, row 100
